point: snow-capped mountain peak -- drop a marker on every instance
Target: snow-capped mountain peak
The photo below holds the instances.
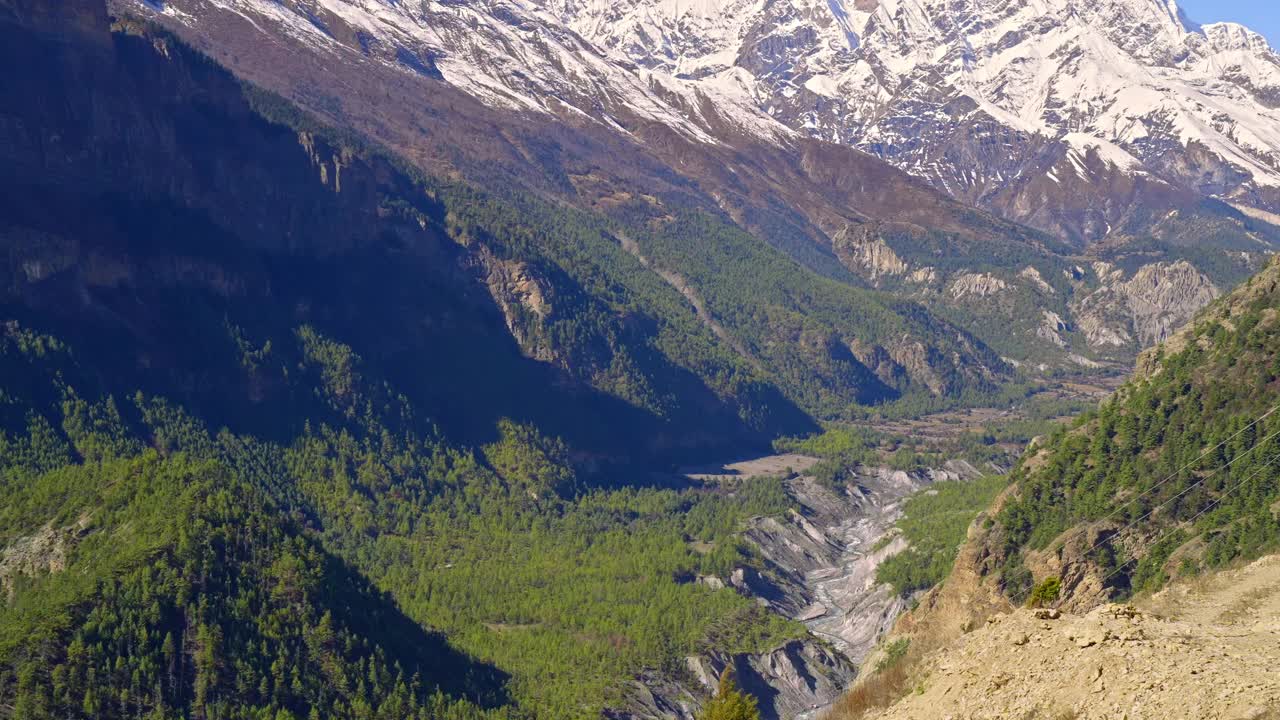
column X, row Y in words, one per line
column 910, row 79
column 993, row 101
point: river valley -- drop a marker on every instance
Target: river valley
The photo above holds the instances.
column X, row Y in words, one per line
column 820, row 565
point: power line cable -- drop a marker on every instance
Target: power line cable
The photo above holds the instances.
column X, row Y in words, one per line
column 1186, row 465
column 1003, row 585
column 1200, row 514
column 1185, row 490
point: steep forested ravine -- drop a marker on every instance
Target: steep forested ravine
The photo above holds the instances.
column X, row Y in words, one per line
column 289, row 430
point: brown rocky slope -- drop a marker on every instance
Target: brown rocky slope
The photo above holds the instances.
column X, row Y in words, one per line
column 1198, row 649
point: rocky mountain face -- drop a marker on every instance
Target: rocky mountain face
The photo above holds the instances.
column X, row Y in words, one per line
column 1159, row 299
column 1083, row 120
column 789, row 682
column 156, row 217
column 772, row 115
column 662, row 194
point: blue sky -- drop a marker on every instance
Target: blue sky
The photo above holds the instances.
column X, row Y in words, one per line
column 1261, row 15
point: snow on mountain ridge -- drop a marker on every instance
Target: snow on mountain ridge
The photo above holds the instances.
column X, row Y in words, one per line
column 983, row 98
column 1234, row 36
column 885, row 74
column 511, row 54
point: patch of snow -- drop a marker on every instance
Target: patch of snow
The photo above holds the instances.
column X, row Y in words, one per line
column 1108, row 151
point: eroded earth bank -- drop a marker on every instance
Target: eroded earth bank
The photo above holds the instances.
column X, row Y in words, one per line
column 820, row 565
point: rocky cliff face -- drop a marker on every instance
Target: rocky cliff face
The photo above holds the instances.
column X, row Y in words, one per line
column 1141, row 310
column 1083, row 121
column 789, row 682
column 1255, row 290
column 522, row 297
column 39, row 553
column 862, row 249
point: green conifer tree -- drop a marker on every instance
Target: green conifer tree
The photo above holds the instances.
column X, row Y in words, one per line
column 730, row 703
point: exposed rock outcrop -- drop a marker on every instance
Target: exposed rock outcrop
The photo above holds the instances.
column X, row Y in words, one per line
column 1260, row 285
column 1100, row 334
column 788, row 682
column 820, row 565
column 977, row 285
column 42, row 552
column 1067, row 558
column 1146, row 307
column 793, row 679
column 1051, row 328
column 863, row 251
column 940, row 372
column 1033, row 276
column 1163, row 297
column 520, row 295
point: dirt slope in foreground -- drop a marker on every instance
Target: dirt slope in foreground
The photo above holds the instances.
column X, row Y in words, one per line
column 1203, row 649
